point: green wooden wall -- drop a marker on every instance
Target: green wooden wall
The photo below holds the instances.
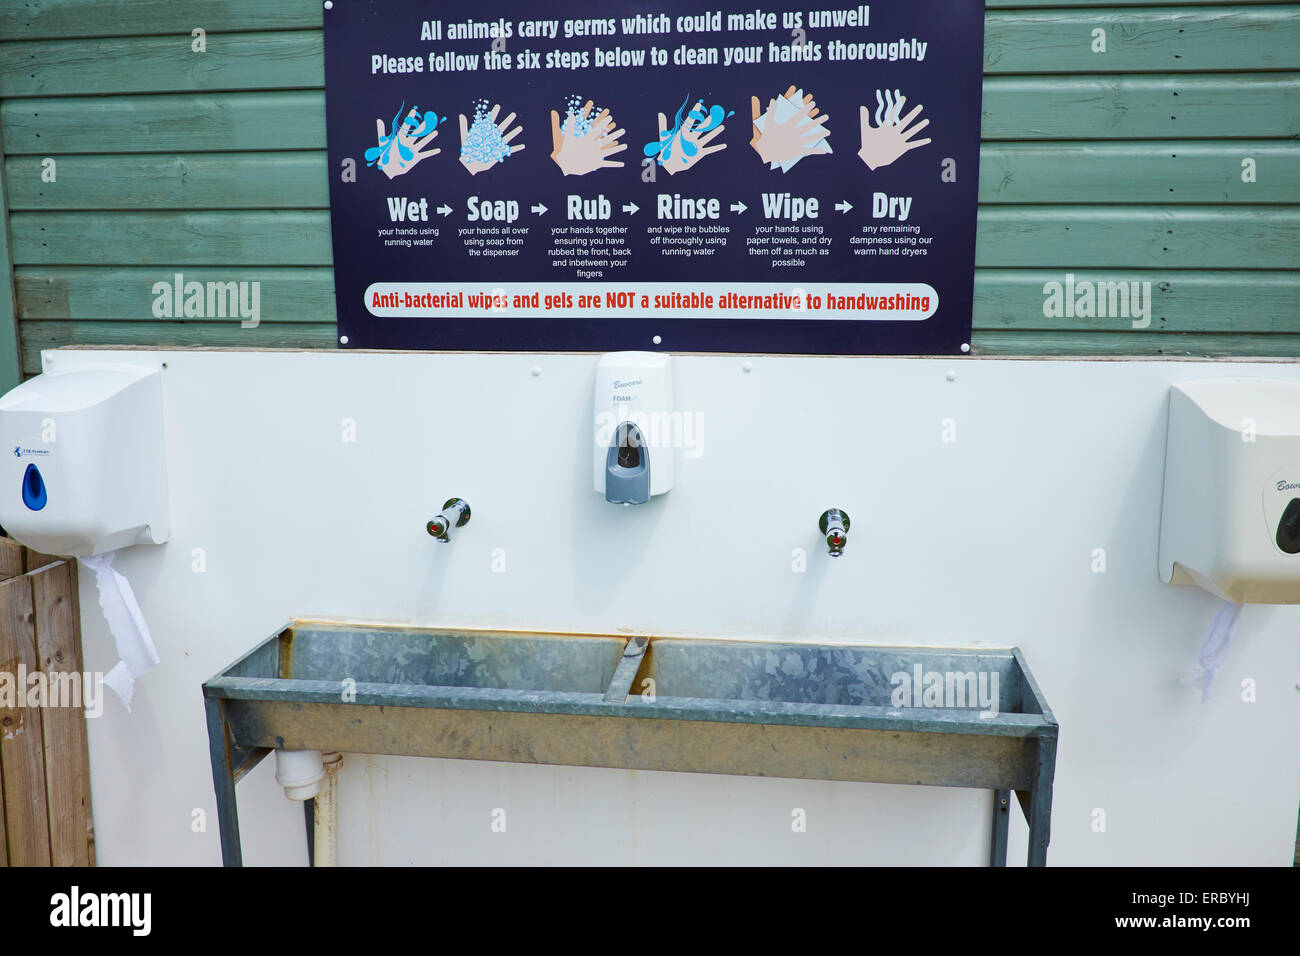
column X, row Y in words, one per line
column 1123, row 165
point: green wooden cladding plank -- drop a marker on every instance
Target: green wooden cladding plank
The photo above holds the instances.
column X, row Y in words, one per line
column 46, row 335
column 114, row 292
column 1225, row 106
column 1015, row 108
column 278, row 238
column 294, row 180
column 42, row 335
column 1069, row 237
column 1189, row 237
column 232, row 61
column 1181, row 300
column 1094, row 344
column 186, row 122
column 1143, row 41
column 1141, row 173
column 58, row 19
column 1103, row 173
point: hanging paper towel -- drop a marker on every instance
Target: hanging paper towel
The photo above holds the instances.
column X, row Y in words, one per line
column 1222, row 633
column 126, row 623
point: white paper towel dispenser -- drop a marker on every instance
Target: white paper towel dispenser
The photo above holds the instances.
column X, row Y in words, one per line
column 1230, row 521
column 84, row 467
column 634, row 426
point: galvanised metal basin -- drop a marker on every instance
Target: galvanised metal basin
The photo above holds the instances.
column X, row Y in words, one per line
column 853, row 676
column 378, row 659
column 911, row 715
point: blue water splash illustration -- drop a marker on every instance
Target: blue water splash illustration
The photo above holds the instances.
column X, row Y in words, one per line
column 663, row 147
column 416, row 125
column 484, row 142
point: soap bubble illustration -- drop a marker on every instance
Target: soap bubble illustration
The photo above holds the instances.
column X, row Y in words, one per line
column 686, row 143
column 398, row 151
column 483, row 141
column 579, row 119
column 585, row 139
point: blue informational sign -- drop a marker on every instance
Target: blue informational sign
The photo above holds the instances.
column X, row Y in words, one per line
column 581, row 176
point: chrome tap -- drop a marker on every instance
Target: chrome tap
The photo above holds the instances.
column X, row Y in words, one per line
column 454, row 514
column 834, row 524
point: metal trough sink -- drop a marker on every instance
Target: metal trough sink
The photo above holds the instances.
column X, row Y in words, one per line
column 814, row 711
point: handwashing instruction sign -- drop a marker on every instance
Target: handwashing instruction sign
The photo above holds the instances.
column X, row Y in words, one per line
column 769, row 177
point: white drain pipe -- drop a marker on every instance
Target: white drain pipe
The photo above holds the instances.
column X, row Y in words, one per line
column 327, row 812
column 308, row 775
column 299, row 772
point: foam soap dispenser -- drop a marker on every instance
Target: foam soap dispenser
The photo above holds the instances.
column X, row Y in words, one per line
column 633, row 454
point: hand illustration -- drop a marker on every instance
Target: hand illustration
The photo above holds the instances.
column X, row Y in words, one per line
column 884, row 143
column 399, row 151
column 583, row 143
column 696, row 132
column 788, row 130
column 486, row 142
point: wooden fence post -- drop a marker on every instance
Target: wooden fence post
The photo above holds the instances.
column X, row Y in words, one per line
column 67, row 770
column 22, row 746
column 45, row 810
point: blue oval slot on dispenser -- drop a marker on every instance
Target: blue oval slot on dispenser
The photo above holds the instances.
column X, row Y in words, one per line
column 33, row 488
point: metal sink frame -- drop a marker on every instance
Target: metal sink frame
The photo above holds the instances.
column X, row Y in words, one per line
column 702, row 705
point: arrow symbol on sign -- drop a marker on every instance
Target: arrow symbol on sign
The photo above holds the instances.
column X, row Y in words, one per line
column 539, row 209
column 443, row 210
column 631, row 208
column 844, row 206
column 738, row 207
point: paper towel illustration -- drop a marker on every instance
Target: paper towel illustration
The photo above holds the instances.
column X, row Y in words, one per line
column 399, row 151
column 789, row 129
column 585, row 139
column 687, row 142
column 484, row 142
column 889, row 139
